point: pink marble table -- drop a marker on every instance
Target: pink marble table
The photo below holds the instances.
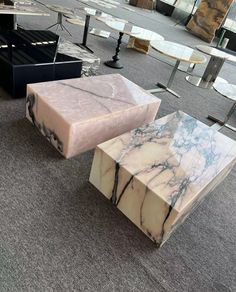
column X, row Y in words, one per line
column 157, row 174
column 75, row 115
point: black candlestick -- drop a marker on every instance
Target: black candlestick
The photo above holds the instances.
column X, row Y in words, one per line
column 115, row 62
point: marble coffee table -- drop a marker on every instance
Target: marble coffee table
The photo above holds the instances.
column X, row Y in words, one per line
column 89, row 12
column 142, row 42
column 228, row 91
column 75, row 115
column 123, row 28
column 179, row 53
column 157, row 174
column 20, row 9
column 213, row 68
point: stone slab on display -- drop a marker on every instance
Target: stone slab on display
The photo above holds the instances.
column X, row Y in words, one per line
column 208, row 18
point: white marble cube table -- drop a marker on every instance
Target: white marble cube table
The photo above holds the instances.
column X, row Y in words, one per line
column 75, row 115
column 157, row 174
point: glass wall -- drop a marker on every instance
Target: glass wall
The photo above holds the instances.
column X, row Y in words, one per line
column 230, row 21
column 187, row 5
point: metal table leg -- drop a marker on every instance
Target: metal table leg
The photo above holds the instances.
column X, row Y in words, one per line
column 163, row 87
column 15, row 21
column 59, row 23
column 85, row 34
column 219, row 123
column 188, row 69
column 115, row 62
column 209, row 76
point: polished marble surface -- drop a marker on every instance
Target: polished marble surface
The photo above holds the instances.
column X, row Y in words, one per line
column 90, row 63
column 142, row 42
column 95, row 12
column 132, row 30
column 102, row 16
column 201, row 82
column 157, row 174
column 139, row 45
column 22, row 10
column 100, row 33
column 84, row 112
column 120, row 26
column 215, row 52
column 212, row 51
column 108, row 17
column 106, row 4
column 76, row 21
column 178, row 51
column 226, row 89
column 145, row 34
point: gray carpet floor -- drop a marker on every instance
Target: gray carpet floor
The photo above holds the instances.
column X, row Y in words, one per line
column 58, row 233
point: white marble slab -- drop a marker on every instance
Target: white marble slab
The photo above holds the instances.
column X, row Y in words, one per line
column 157, row 174
column 22, row 10
column 101, row 33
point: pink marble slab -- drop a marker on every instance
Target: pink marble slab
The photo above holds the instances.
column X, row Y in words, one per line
column 157, row 174
column 75, row 115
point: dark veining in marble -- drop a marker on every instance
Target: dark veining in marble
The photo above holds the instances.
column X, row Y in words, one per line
column 90, row 64
column 97, row 95
column 190, row 135
column 51, row 136
column 30, row 101
column 116, row 181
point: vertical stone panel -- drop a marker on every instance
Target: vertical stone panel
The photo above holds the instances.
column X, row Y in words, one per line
column 208, row 18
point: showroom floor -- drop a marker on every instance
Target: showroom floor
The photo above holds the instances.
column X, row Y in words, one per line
column 59, row 234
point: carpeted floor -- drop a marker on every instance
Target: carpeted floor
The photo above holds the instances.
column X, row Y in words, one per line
column 57, row 233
